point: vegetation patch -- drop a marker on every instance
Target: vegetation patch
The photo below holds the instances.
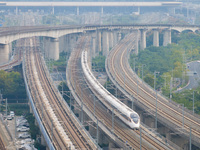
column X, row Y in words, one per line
column 12, row 85
column 168, row 65
column 98, row 63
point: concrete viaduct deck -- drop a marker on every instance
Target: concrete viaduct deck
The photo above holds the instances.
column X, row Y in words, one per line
column 106, row 36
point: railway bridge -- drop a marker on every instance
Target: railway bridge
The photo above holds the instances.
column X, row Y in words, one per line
column 103, row 37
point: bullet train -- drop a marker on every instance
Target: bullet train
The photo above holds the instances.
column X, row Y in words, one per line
column 127, row 115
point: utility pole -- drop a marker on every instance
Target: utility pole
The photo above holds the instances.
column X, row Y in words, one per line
column 193, row 103
column 155, row 72
column 113, row 120
column 6, row 108
column 156, row 108
column 183, row 115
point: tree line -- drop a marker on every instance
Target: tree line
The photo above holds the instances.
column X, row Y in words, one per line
column 170, row 62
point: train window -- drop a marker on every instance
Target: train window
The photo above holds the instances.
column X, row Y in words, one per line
column 134, row 117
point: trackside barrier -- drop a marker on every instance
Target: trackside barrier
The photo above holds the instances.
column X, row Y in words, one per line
column 81, row 128
column 42, row 129
column 164, row 140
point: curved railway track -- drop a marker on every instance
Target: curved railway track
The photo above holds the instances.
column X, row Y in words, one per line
column 17, row 58
column 123, row 132
column 121, row 72
column 61, row 118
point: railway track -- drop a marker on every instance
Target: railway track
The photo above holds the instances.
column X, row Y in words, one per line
column 120, row 73
column 130, row 137
column 59, row 124
column 17, row 57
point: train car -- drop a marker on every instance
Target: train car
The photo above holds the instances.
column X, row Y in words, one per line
column 127, row 115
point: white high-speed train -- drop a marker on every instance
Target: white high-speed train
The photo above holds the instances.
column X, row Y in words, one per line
column 127, row 115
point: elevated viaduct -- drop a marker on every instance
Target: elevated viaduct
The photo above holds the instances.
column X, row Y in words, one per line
column 104, row 37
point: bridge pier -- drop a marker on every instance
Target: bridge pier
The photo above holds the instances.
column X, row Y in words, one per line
column 68, row 46
column 111, row 43
column 51, row 47
column 70, row 40
column 105, row 43
column 62, row 43
column 98, row 41
column 114, row 38
column 136, row 42
column 10, row 50
column 46, row 46
column 167, row 37
column 119, row 36
column 143, row 39
column 93, row 47
column 4, row 53
column 156, row 37
column 54, row 49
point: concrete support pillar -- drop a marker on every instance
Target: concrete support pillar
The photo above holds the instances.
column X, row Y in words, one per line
column 167, row 37
column 54, row 49
column 46, row 46
column 62, row 43
column 143, row 39
column 156, row 37
column 72, row 41
column 136, row 42
column 119, row 36
column 93, row 47
column 114, row 38
column 51, row 48
column 67, row 43
column 111, row 40
column 4, row 53
column 105, row 43
column 10, row 50
column 98, row 41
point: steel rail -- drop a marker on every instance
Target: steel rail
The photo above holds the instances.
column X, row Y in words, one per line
column 132, row 87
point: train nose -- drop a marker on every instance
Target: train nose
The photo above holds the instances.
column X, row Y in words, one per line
column 136, row 120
